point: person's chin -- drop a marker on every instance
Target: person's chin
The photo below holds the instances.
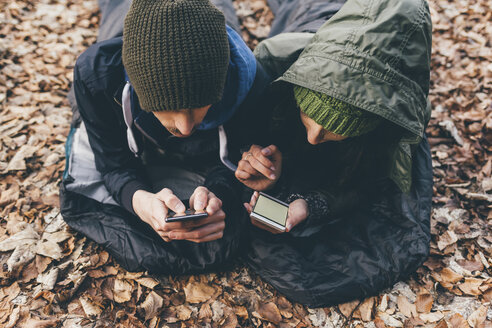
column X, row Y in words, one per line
column 179, row 135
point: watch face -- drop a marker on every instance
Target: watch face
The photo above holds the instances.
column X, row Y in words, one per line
column 271, row 209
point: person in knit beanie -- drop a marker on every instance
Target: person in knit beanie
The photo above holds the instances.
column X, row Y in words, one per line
column 159, row 93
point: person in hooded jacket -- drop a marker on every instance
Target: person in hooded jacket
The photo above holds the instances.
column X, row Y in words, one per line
column 347, row 151
column 152, row 111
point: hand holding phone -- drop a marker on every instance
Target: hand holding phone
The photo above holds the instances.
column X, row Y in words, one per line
column 205, row 220
column 273, row 215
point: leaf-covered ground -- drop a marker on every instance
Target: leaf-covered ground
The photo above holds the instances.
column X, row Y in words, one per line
column 51, row 277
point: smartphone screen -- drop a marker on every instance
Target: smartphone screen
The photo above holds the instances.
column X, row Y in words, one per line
column 271, row 209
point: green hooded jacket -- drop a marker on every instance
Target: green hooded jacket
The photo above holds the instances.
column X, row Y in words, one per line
column 373, row 54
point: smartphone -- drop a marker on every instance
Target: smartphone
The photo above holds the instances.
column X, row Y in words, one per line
column 270, row 211
column 187, row 215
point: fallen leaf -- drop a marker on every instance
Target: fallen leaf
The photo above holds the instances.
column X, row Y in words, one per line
column 91, row 309
column 366, row 308
column 457, row 321
column 205, row 312
column 36, row 323
column 269, row 311
column 197, row 292
column 122, row 291
column 478, row 316
column 431, row 317
column 14, row 316
column 408, row 309
column 424, row 303
column 446, row 239
column 151, row 306
column 10, row 195
column 147, row 282
column 183, row 312
column 442, row 324
column 348, row 308
column 470, row 286
column 450, row 276
column 48, row 280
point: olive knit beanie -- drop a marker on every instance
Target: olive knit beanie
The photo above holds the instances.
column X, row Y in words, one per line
column 334, row 115
column 176, row 53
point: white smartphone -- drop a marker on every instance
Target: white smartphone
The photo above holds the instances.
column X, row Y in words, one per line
column 270, row 211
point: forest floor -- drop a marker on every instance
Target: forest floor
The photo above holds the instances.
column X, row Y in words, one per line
column 53, row 277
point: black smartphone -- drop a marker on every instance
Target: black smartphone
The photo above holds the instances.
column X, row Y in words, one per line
column 270, row 211
column 187, row 215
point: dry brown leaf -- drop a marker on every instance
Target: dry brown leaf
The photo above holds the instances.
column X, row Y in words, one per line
column 366, row 308
column 197, row 292
column 205, row 312
column 269, row 311
column 10, row 195
column 230, row 321
column 14, row 316
column 91, row 309
column 431, row 317
column 29, row 272
column 408, row 309
column 348, row 308
column 285, row 307
column 442, row 324
column 107, row 271
column 424, row 303
column 37, row 323
column 242, row 312
column 379, row 323
column 18, row 163
column 446, row 239
column 478, row 316
column 183, row 312
column 147, row 282
column 389, row 320
column 151, row 306
column 48, row 280
column 470, row 286
column 122, row 291
column 450, row 276
column 457, row 321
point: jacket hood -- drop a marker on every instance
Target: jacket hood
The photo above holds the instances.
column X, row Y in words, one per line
column 374, row 55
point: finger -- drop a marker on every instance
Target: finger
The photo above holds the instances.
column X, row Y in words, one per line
column 193, row 224
column 159, row 214
column 264, row 160
column 170, row 200
column 248, row 153
column 248, row 208
column 200, row 198
column 242, row 175
column 213, row 236
column 264, row 170
column 246, row 167
column 198, row 233
column 214, row 204
column 254, row 198
column 296, row 214
column 270, row 150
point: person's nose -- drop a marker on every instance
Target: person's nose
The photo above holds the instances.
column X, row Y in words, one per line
column 314, row 135
column 185, row 126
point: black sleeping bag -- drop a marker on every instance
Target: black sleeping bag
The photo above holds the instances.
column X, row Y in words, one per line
column 369, row 250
